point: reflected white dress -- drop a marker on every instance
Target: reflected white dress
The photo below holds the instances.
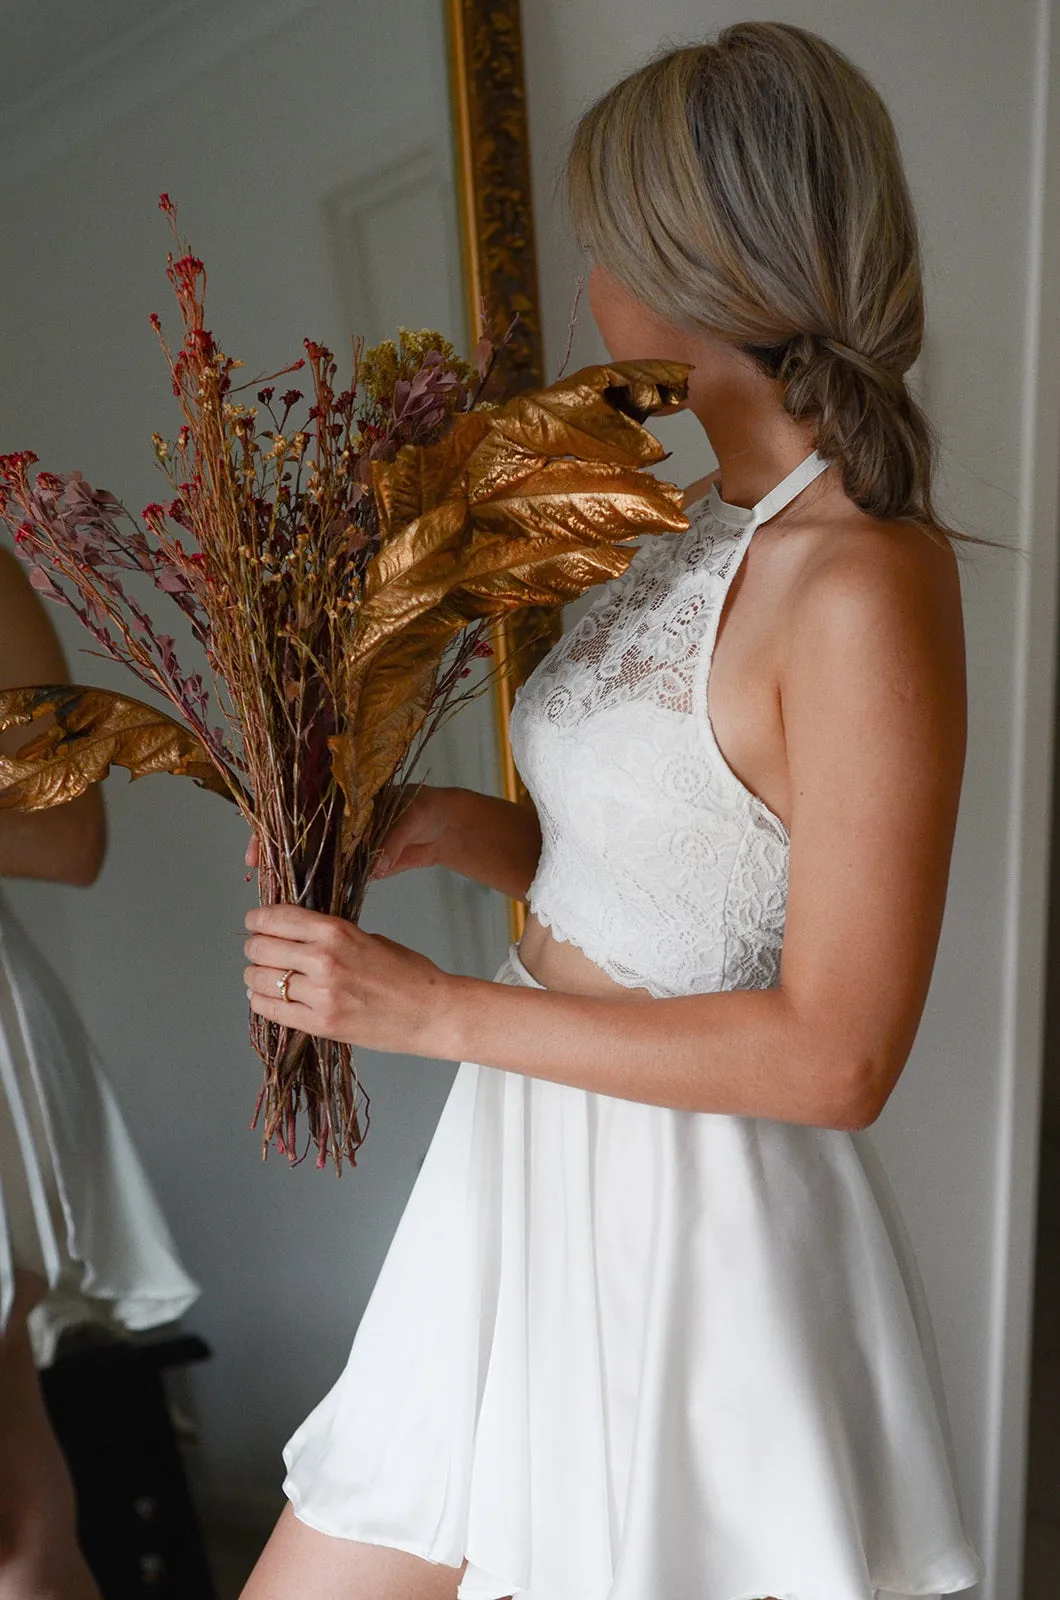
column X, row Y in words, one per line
column 618, row 1351
column 75, row 1204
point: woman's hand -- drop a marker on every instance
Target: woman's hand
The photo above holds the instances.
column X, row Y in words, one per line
column 415, row 840
column 359, row 988
column 493, row 841
column 417, row 837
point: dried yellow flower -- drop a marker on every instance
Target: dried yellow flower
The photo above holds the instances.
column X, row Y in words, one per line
column 386, row 364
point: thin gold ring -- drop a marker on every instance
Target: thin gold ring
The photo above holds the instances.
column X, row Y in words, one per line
column 281, row 983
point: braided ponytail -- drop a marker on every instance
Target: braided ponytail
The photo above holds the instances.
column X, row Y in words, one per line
column 753, row 189
column 864, row 419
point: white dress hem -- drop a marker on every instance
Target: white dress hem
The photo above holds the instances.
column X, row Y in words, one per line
column 503, row 1589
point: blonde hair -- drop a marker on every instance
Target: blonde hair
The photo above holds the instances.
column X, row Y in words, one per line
column 753, row 189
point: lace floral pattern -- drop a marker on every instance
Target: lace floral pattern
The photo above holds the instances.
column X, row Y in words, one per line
column 656, row 860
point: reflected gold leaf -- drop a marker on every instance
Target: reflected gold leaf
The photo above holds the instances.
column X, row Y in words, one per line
column 92, row 730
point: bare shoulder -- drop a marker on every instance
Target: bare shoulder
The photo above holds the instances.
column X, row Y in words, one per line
column 889, row 588
column 854, row 553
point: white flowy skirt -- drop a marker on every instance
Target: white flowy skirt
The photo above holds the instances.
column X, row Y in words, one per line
column 75, row 1204
column 622, row 1352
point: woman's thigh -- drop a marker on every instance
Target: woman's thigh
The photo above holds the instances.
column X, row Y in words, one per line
column 298, row 1561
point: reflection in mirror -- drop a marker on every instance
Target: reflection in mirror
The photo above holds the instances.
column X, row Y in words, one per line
column 310, row 149
column 86, row 1258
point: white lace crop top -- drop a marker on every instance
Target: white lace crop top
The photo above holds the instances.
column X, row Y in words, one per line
column 656, row 860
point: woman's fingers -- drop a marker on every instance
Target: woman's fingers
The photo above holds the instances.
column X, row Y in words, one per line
column 412, row 840
column 402, row 857
column 295, row 922
column 266, row 981
column 265, row 951
column 394, row 848
column 315, row 949
column 264, row 995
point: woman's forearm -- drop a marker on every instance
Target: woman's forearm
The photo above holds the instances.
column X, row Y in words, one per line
column 699, row 1052
column 740, row 1052
column 496, row 842
column 775, row 1053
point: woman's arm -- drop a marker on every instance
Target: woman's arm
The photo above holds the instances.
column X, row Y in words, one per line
column 64, row 843
column 873, row 702
column 874, row 716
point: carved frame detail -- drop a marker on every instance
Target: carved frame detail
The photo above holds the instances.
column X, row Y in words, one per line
column 497, row 226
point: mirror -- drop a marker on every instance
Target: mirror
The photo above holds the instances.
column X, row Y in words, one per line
column 341, row 169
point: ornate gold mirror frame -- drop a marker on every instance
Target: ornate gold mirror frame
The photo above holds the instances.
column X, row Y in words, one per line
column 500, row 271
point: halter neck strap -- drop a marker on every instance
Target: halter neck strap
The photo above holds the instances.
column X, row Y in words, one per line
column 775, row 501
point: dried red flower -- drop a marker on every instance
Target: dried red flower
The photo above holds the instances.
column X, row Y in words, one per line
column 187, row 270
column 200, row 342
column 16, row 462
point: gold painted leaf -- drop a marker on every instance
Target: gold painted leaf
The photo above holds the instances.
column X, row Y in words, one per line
column 528, row 504
column 594, row 415
column 93, row 730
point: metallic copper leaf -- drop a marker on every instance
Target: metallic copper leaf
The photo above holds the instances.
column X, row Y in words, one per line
column 93, row 731
column 528, row 504
column 562, row 462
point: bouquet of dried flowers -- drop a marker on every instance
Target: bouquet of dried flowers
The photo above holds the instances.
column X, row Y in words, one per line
column 338, row 556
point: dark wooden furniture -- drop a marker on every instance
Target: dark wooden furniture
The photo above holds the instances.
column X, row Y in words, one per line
column 136, row 1520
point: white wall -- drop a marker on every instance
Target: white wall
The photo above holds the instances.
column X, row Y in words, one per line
column 253, row 150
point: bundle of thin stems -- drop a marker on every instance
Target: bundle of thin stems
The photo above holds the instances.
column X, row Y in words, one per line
column 338, row 557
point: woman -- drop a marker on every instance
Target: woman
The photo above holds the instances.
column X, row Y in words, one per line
column 644, row 1330
column 81, row 1236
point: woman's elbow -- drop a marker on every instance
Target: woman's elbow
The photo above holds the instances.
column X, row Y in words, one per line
column 88, row 841
column 844, row 1080
column 84, row 870
column 857, row 1094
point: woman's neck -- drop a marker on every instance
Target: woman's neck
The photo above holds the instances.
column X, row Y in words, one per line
column 754, row 439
